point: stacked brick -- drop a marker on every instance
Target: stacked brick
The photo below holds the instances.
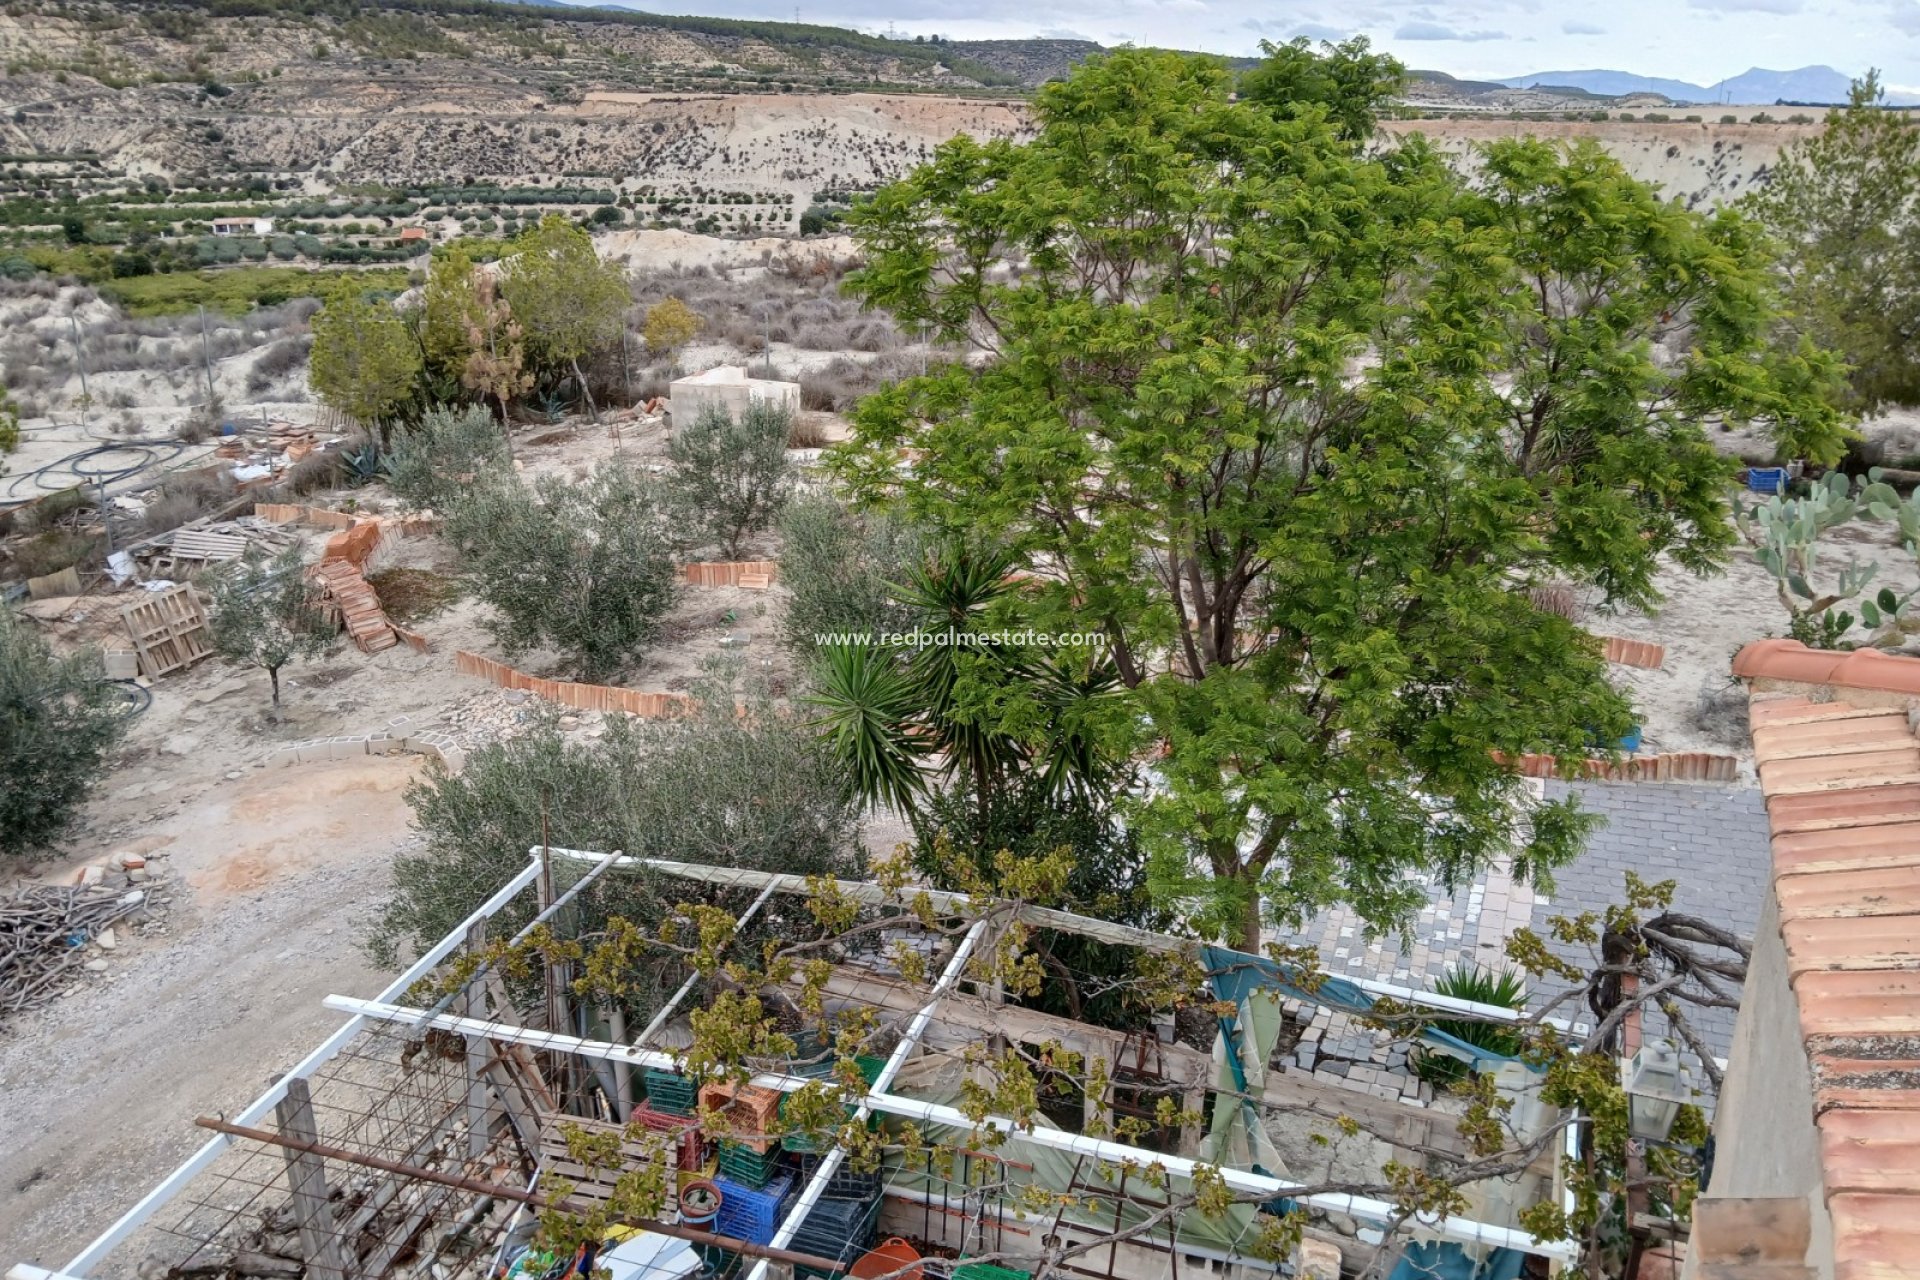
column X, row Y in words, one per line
column 583, row 697
column 753, row 574
column 1633, row 653
column 342, row 587
column 400, row 737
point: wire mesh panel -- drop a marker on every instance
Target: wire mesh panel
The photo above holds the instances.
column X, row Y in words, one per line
column 323, row 1208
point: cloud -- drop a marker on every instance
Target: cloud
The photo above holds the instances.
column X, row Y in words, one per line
column 1905, row 14
column 1434, row 31
column 1582, row 29
column 1748, row 6
column 1311, row 30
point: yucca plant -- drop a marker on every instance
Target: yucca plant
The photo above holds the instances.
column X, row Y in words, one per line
column 866, row 706
column 1500, row 987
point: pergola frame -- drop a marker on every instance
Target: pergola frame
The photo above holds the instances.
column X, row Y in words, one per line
column 383, row 1009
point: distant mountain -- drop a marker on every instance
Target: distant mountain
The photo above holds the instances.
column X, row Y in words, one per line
column 1757, row 87
column 1610, row 84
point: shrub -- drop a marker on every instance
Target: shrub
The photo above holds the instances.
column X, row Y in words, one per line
column 838, row 566
column 58, row 718
column 429, row 465
column 52, row 551
column 725, row 788
column 585, row 569
column 1729, row 119
column 730, row 476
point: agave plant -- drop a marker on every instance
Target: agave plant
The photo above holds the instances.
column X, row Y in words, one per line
column 1499, row 987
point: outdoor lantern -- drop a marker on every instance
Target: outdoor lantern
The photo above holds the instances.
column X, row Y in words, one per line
column 1656, row 1085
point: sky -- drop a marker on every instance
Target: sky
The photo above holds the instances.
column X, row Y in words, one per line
column 1700, row 41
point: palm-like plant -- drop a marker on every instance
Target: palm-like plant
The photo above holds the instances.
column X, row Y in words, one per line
column 867, row 709
column 889, row 716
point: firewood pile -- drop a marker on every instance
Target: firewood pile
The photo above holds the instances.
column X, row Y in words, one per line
column 44, row 932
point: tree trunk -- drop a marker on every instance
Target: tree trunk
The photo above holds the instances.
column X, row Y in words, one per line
column 593, row 410
column 273, row 675
column 1250, row 922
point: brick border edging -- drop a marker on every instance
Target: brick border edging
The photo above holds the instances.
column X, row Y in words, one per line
column 581, row 697
column 753, row 574
column 395, row 738
column 1678, row 766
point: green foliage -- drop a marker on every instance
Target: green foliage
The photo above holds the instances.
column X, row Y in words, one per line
column 567, row 302
column 959, row 700
column 965, row 842
column 9, row 428
column 1785, row 535
column 266, row 612
column 584, row 569
column 837, row 565
column 431, row 464
column 450, row 311
column 1500, row 987
column 58, row 719
column 1846, row 204
column 725, row 788
column 365, row 361
column 671, row 324
column 237, row 290
column 1336, row 563
column 1347, row 81
column 730, row 476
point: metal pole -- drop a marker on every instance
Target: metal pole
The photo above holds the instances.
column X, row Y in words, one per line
column 80, row 360
column 744, row 1247
column 206, row 361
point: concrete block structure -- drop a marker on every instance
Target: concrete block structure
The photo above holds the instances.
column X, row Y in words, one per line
column 730, row 390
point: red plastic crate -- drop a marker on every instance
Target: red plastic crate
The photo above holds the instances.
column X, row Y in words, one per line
column 690, row 1148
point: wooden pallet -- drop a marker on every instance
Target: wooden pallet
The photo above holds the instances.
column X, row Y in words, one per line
column 595, row 1184
column 169, row 630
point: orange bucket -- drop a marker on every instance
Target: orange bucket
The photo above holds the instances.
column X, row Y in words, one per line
column 886, row 1259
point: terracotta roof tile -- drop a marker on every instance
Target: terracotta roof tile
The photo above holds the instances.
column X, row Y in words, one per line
column 1856, row 807
column 1843, row 800
column 1859, row 1002
column 1870, row 764
column 1868, row 891
column 1875, row 1237
column 1893, row 844
column 1871, row 942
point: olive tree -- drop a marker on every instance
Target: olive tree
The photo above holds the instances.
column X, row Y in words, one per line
column 585, row 569
column 450, row 450
column 266, row 612
column 730, row 474
column 58, row 718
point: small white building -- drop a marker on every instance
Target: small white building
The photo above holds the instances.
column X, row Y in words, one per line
column 730, row 390
column 242, row 226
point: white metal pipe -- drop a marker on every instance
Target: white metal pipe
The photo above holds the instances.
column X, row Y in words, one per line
column 1044, row 917
column 817, row 1185
column 659, row 1021
column 260, row 1107
column 1242, row 1180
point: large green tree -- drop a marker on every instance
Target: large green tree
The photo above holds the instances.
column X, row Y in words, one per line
column 366, row 362
column 568, row 303
column 1297, row 426
column 1846, row 206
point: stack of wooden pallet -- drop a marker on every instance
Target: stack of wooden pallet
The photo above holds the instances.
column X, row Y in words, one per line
column 346, row 591
column 169, row 630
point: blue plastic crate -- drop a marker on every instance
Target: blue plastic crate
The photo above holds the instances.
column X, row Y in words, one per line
column 1767, row 479
column 751, row 1213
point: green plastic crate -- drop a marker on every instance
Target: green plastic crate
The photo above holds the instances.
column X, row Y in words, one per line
column 743, row 1164
column 671, row 1093
column 987, row 1271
